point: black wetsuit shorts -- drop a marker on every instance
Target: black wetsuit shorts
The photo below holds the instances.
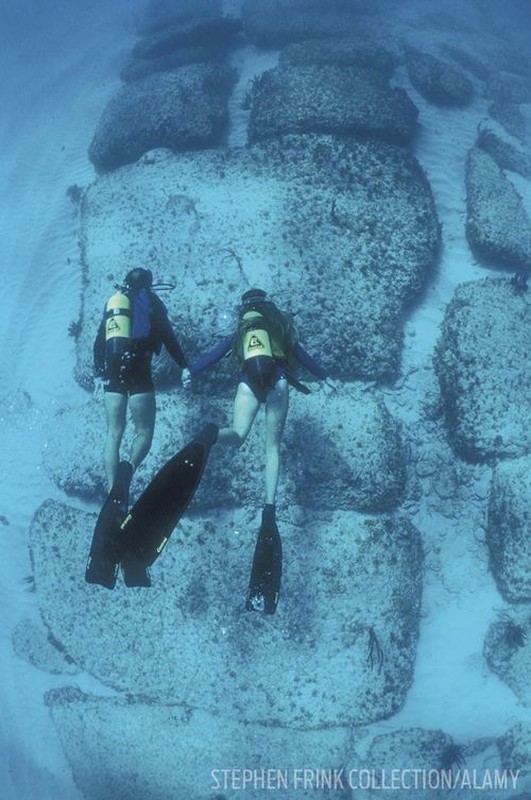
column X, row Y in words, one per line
column 260, row 374
column 129, row 373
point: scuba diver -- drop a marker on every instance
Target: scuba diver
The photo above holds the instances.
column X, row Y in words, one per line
column 134, row 326
column 266, row 346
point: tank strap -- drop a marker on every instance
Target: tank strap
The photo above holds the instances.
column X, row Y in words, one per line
column 300, row 387
column 117, row 312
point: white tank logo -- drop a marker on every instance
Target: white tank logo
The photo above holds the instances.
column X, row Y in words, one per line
column 255, row 343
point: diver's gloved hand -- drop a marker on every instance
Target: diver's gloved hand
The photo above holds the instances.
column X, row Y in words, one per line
column 330, row 386
column 186, row 378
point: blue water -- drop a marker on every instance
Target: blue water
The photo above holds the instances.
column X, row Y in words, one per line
column 58, row 63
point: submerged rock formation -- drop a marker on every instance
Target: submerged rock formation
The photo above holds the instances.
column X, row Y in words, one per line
column 157, row 752
column 504, row 154
column 351, row 52
column 515, row 749
column 482, row 362
column 438, row 82
column 507, row 651
column 198, row 40
column 274, row 25
column 510, row 116
column 347, row 625
column 310, row 98
column 336, row 228
column 508, row 529
column 498, row 227
column 184, row 109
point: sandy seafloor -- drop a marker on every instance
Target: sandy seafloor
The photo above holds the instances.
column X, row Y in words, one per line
column 60, row 62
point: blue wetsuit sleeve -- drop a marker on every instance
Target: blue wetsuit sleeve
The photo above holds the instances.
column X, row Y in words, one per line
column 212, row 357
column 166, row 332
column 308, row 362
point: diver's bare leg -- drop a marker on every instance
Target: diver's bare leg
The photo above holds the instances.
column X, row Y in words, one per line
column 276, row 413
column 245, row 409
column 143, row 408
column 115, row 409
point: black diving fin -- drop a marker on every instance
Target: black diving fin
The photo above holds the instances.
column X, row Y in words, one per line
column 149, row 524
column 105, row 549
column 264, row 586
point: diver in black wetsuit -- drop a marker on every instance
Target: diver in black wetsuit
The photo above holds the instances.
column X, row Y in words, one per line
column 265, row 343
column 134, row 326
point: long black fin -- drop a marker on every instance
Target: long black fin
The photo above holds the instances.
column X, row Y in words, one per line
column 135, row 573
column 152, row 519
column 264, row 586
column 105, row 549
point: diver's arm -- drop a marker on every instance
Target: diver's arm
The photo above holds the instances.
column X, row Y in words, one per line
column 171, row 343
column 308, row 362
column 167, row 334
column 212, row 357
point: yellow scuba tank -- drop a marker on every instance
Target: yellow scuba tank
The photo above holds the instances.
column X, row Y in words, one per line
column 117, row 323
column 256, row 340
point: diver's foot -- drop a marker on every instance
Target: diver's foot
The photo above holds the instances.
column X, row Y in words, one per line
column 209, row 435
column 268, row 514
